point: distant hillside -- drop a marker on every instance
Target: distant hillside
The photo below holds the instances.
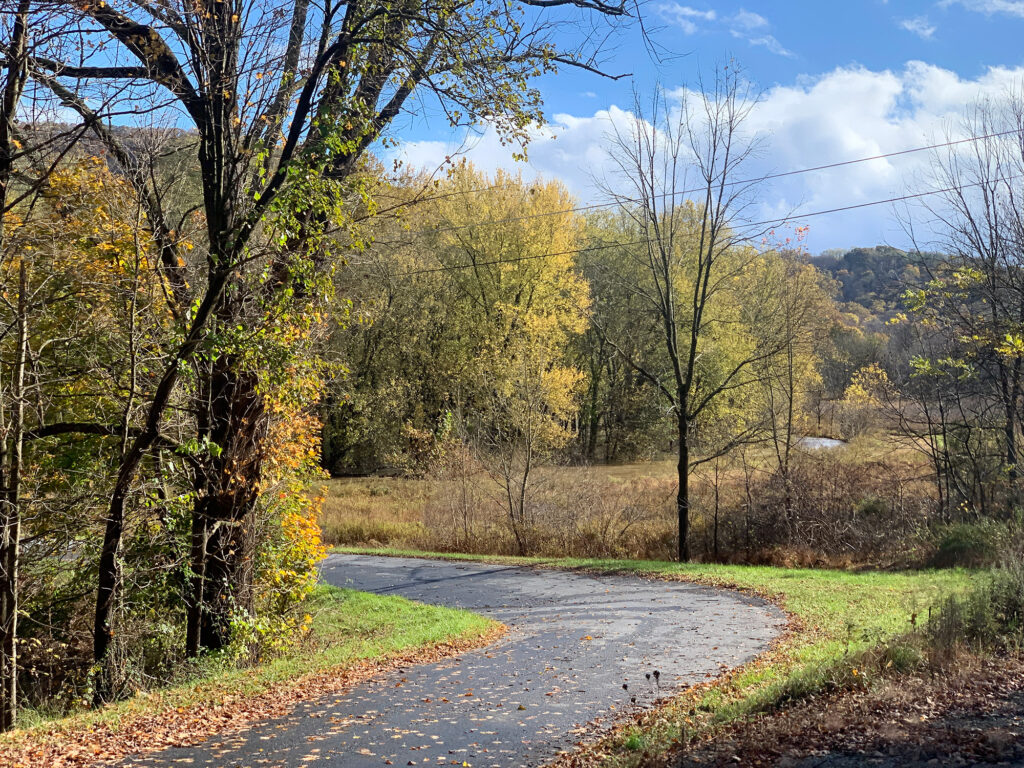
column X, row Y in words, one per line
column 875, row 278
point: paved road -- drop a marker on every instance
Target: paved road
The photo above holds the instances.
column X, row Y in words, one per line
column 575, row 641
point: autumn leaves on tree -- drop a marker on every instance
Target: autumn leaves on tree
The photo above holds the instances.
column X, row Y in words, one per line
column 211, row 291
column 232, row 136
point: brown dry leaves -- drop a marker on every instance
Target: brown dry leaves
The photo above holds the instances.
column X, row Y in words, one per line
column 901, row 721
column 81, row 746
column 953, row 715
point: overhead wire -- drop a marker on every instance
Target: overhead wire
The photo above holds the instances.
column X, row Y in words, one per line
column 646, row 241
column 683, row 192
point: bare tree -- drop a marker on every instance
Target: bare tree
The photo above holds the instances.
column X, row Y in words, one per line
column 802, row 315
column 966, row 384
column 11, row 450
column 688, row 253
column 11, row 440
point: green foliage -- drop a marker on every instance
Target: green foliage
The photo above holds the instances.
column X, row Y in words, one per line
column 991, row 616
column 623, row 414
column 634, row 741
column 970, row 544
column 171, row 426
column 346, row 628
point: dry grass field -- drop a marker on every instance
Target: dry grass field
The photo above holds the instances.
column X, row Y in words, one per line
column 467, row 513
column 839, row 507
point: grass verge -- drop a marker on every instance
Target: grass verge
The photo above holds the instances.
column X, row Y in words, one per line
column 354, row 635
column 844, row 625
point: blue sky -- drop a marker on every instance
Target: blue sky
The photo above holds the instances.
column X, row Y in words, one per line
column 778, row 42
column 841, row 80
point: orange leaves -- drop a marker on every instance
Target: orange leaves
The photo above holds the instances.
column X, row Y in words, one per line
column 294, row 445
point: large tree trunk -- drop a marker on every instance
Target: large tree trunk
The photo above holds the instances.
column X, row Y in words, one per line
column 234, row 421
column 225, row 522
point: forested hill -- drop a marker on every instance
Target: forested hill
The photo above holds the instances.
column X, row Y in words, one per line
column 875, row 278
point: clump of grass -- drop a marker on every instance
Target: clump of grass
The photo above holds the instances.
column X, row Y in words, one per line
column 989, row 616
column 634, row 741
column 970, row 544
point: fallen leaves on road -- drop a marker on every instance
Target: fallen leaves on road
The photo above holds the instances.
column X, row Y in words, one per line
column 79, row 746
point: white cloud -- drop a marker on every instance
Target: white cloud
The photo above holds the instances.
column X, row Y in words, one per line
column 1010, row 7
column 684, row 16
column 753, row 27
column 920, row 26
column 749, row 20
column 743, row 25
column 773, row 45
column 845, row 114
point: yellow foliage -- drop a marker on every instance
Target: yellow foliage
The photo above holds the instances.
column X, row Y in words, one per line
column 292, row 499
column 1012, row 346
column 527, row 300
column 866, row 385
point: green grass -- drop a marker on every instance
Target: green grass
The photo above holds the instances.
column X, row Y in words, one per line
column 842, row 617
column 348, row 627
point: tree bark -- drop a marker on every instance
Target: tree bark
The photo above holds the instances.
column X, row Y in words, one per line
column 683, row 495
column 14, row 85
column 234, row 423
column 11, row 541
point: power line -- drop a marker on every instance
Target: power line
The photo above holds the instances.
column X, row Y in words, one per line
column 646, row 241
column 667, row 195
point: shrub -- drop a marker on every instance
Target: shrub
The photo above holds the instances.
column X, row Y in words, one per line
column 990, row 616
column 832, row 508
column 969, row 545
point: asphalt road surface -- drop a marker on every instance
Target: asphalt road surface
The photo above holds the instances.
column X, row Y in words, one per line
column 579, row 652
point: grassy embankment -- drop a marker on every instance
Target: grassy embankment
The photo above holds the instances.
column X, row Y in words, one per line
column 847, row 628
column 353, row 635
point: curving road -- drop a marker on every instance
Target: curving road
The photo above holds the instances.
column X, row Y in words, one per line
column 579, row 651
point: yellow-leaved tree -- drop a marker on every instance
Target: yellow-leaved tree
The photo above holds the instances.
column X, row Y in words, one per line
column 690, row 257
column 511, row 257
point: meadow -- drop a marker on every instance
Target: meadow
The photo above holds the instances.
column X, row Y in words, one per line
column 863, row 504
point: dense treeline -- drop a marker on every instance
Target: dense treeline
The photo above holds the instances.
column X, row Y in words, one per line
column 911, row 357
column 875, row 278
